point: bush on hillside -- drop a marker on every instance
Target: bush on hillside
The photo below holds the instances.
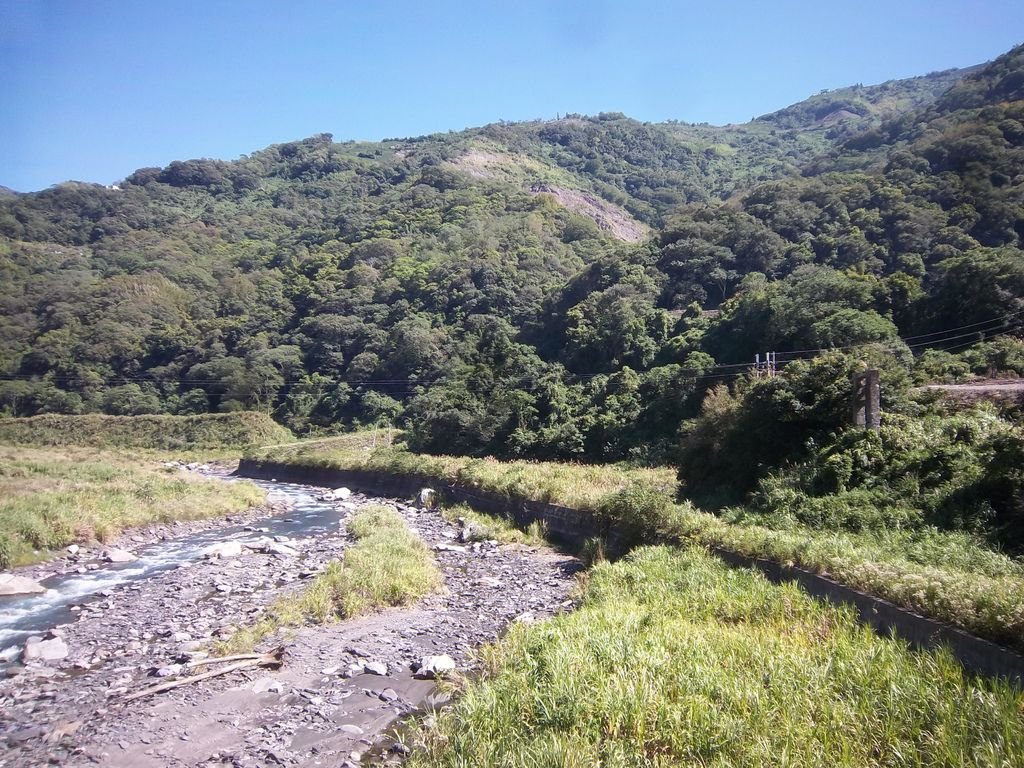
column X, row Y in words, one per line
column 168, row 433
column 963, row 472
column 744, row 433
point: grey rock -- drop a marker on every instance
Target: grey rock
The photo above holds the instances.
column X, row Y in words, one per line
column 426, row 499
column 19, row 585
column 54, row 649
column 115, row 555
column 223, row 549
column 267, row 685
column 433, row 667
column 376, row 668
column 436, row 700
column 275, row 548
column 450, row 548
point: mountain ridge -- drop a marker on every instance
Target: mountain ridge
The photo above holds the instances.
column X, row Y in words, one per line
column 472, row 282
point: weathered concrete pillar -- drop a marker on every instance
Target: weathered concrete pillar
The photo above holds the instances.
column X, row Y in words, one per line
column 867, row 404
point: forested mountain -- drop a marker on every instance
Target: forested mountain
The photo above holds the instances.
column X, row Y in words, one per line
column 566, row 288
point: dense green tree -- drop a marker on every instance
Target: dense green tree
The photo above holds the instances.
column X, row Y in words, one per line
column 568, row 288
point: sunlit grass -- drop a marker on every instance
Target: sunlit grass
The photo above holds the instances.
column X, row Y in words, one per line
column 674, row 659
column 946, row 576
column 50, row 498
column 581, row 486
column 491, row 527
column 949, row 576
column 389, row 565
column 207, row 432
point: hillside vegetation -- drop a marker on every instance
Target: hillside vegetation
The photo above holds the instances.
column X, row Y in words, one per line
column 159, row 433
column 478, row 290
column 478, row 285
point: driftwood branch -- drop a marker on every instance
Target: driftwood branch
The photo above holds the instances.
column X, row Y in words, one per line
column 273, row 660
column 222, row 659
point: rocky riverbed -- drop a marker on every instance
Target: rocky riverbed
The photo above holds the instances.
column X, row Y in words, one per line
column 341, row 686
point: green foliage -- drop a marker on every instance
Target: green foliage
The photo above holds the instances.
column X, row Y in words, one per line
column 486, row 288
column 163, row 433
column 52, row 497
column 957, row 472
column 674, row 659
column 639, row 509
column 389, row 565
column 7, row 550
column 763, row 423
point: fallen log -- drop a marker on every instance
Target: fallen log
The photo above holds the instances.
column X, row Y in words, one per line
column 272, row 660
column 237, row 657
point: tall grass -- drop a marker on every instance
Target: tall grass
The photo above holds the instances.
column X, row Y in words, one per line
column 950, row 576
column 581, row 486
column 483, row 526
column 674, row 659
column 389, row 565
column 51, row 498
column 161, row 433
column 947, row 576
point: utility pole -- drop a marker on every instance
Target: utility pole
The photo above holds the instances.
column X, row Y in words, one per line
column 767, row 368
column 867, row 405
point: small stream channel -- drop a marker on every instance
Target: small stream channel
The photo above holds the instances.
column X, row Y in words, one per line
column 21, row 617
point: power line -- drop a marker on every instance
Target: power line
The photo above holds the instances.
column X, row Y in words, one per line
column 906, row 339
column 962, row 327
column 428, row 382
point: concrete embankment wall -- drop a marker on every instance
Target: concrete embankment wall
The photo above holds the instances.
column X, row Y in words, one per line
column 572, row 527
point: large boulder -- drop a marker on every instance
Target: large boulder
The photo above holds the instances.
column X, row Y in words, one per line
column 115, row 555
column 433, row 667
column 271, row 547
column 427, row 498
column 223, row 549
column 45, row 649
column 19, row 585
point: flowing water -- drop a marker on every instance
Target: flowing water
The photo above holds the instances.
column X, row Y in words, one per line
column 34, row 614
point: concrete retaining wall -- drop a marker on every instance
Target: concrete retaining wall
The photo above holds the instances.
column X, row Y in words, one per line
column 572, row 527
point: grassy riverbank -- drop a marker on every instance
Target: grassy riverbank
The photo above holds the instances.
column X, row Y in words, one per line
column 50, row 498
column 482, row 527
column 389, row 565
column 674, row 659
column 581, row 486
column 951, row 576
column 214, row 431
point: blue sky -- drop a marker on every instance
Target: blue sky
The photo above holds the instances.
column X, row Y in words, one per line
column 93, row 89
